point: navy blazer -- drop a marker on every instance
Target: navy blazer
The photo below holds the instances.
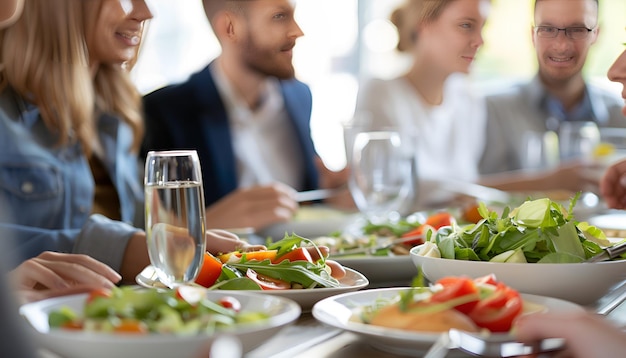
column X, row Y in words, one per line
column 192, row 115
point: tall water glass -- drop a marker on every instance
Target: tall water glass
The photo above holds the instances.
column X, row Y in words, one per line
column 381, row 173
column 175, row 225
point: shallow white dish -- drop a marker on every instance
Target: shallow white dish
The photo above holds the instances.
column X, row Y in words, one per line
column 310, row 222
column 352, row 281
column 78, row 344
column 611, row 221
column 382, row 269
column 337, row 311
column 583, row 283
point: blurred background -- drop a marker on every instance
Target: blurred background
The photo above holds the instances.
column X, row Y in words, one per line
column 346, row 42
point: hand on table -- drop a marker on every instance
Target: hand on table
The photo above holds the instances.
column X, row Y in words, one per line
column 613, row 185
column 256, row 207
column 587, row 335
column 221, row 241
column 54, row 274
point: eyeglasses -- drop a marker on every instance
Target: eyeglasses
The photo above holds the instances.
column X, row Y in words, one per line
column 574, row 33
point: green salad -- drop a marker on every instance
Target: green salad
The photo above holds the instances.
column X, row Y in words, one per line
column 183, row 311
column 539, row 230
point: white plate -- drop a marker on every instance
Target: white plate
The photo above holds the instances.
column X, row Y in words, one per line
column 310, row 222
column 382, row 269
column 352, row 281
column 337, row 311
column 78, row 344
column 611, row 221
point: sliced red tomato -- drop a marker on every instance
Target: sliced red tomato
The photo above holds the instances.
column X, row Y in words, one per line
column 230, row 303
column 487, row 279
column 297, row 254
column 97, row 293
column 266, row 282
column 436, row 221
column 210, row 270
column 456, row 287
column 498, row 311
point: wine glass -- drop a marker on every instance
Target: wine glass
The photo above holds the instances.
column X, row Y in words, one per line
column 175, row 225
column 381, row 173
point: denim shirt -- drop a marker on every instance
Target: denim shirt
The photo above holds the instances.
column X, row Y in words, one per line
column 47, row 190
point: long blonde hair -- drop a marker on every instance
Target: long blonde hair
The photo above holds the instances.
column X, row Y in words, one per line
column 44, row 58
column 412, row 13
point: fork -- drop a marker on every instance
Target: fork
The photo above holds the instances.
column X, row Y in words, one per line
column 489, row 346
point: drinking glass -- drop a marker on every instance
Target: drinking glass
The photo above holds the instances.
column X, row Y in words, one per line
column 381, row 173
column 577, row 140
column 175, row 225
column 540, row 150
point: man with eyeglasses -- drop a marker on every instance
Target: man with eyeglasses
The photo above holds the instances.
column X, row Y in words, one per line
column 562, row 34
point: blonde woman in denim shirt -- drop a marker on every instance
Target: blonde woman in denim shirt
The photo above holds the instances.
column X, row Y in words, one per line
column 70, row 119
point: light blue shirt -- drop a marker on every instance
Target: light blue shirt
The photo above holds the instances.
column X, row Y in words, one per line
column 47, row 190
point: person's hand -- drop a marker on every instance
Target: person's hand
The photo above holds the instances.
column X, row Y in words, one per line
column 221, row 241
column 256, row 207
column 613, row 186
column 329, row 179
column 587, row 335
column 53, row 274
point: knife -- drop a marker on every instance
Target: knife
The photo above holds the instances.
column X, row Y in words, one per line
column 317, row 194
column 609, row 253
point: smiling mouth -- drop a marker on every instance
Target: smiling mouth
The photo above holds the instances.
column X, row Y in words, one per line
column 132, row 38
column 561, row 59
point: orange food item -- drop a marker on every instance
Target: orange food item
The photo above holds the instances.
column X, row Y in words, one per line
column 210, row 270
column 440, row 321
column 470, row 214
column 252, row 255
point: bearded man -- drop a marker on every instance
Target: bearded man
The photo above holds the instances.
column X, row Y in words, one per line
column 247, row 116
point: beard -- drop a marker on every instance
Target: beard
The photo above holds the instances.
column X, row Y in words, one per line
column 268, row 61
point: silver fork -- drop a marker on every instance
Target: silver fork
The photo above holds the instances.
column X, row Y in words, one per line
column 489, row 346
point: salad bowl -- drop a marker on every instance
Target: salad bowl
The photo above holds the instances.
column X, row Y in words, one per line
column 78, row 344
column 582, row 283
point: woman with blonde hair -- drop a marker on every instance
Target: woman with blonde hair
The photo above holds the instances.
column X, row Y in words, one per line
column 433, row 100
column 70, row 128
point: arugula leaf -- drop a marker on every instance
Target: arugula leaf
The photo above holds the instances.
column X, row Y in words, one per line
column 307, row 274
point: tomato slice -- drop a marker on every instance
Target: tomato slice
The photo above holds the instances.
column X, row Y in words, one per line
column 487, row 279
column 436, row 221
column 297, row 254
column 210, row 270
column 456, row 287
column 498, row 311
column 266, row 282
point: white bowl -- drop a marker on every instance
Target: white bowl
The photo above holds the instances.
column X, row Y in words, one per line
column 78, row 344
column 582, row 283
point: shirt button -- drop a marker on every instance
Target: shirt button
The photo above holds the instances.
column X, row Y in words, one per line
column 27, row 187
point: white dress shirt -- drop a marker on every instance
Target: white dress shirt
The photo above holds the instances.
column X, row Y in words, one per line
column 265, row 145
